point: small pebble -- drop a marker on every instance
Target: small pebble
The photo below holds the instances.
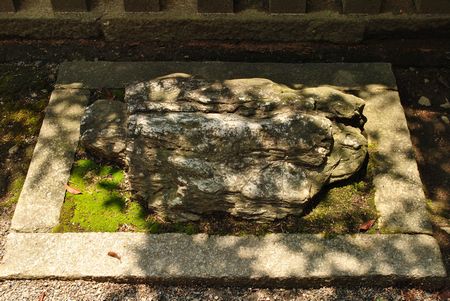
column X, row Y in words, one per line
column 34, row 95
column 424, row 101
column 446, row 105
column 13, row 150
column 426, row 80
column 445, row 119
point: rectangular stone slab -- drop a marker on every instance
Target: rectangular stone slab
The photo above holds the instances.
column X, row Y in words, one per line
column 42, row 195
column 268, row 260
column 96, row 75
column 399, row 196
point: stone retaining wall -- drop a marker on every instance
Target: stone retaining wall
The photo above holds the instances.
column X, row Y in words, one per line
column 346, row 21
column 229, row 6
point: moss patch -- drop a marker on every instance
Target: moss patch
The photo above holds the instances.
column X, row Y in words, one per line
column 337, row 210
column 106, row 206
column 13, row 193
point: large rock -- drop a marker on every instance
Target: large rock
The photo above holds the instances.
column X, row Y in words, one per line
column 103, row 130
column 251, row 147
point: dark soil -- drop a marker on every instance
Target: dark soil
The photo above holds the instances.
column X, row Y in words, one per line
column 413, row 52
column 430, row 135
column 429, row 132
column 24, row 94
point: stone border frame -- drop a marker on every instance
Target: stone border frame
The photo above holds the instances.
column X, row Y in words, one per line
column 404, row 253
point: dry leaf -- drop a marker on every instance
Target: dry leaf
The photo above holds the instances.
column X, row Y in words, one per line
column 109, row 95
column 367, row 225
column 114, row 254
column 42, row 296
column 72, row 190
column 444, row 295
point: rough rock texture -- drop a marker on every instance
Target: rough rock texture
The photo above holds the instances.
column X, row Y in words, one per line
column 103, row 129
column 251, row 147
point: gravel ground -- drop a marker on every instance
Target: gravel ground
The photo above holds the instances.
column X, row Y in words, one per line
column 5, row 221
column 85, row 290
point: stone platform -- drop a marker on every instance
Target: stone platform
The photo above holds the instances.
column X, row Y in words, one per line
column 404, row 253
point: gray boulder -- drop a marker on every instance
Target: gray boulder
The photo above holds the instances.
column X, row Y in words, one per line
column 250, row 147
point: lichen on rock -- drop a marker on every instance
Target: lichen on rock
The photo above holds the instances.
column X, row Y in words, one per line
column 250, row 147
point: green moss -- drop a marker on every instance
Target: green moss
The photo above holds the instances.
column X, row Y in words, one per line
column 341, row 210
column 439, row 213
column 24, row 93
column 13, row 193
column 21, row 116
column 104, row 205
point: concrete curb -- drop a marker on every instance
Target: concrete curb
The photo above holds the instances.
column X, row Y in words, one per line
column 42, row 196
column 278, row 258
column 175, row 258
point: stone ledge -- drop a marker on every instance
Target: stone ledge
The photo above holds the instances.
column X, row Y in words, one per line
column 96, row 75
column 42, row 196
column 108, row 20
column 275, row 258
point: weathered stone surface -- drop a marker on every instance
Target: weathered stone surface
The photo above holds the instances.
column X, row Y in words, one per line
column 141, row 5
column 103, row 129
column 287, row 6
column 215, row 6
column 361, row 6
column 42, row 196
column 248, row 260
column 251, row 147
column 399, row 196
column 70, row 5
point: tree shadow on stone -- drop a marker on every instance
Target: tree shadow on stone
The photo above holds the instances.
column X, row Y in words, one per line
column 304, row 258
